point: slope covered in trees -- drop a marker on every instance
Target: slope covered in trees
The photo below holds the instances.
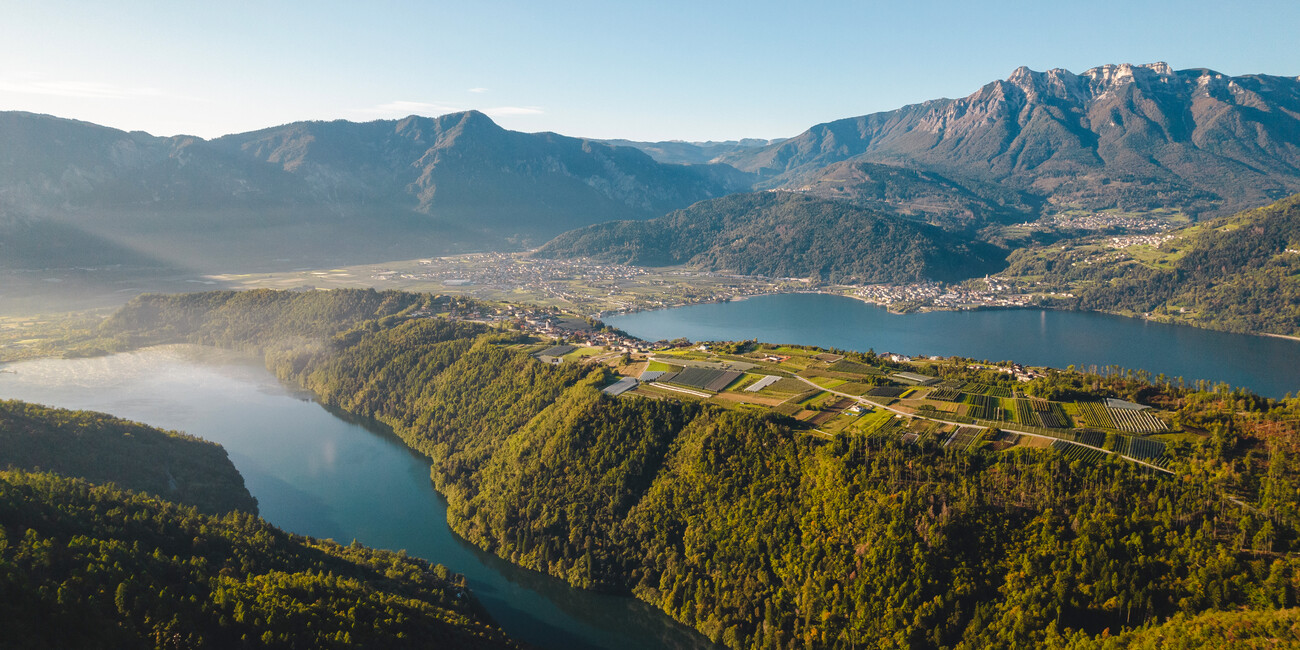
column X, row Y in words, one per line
column 784, row 234
column 762, row 536
column 85, row 566
column 1238, row 273
column 103, row 449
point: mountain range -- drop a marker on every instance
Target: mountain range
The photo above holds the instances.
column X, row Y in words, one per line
column 1125, row 137
column 73, row 193
column 1117, row 136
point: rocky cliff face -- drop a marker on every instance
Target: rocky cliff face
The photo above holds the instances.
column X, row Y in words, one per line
column 1128, row 136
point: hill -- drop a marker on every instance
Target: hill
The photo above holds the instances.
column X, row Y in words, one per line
column 761, row 534
column 966, row 207
column 103, row 449
column 1238, row 273
column 1117, row 136
column 86, row 566
column 784, row 234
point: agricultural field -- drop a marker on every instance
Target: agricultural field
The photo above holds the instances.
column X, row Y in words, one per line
column 1135, row 421
column 985, row 407
column 1078, row 452
column 1140, row 448
column 985, row 389
column 703, row 378
column 1094, row 414
column 964, row 438
column 1097, row 414
column 945, row 395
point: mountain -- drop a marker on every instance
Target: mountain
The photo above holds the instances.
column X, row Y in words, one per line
column 78, row 194
column 1116, row 136
column 465, row 168
column 693, row 153
column 784, row 234
column 1238, row 273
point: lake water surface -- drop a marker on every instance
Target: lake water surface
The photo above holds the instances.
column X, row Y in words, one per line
column 1269, row 366
column 326, row 475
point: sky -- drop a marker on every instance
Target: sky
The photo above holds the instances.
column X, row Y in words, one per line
column 662, row 70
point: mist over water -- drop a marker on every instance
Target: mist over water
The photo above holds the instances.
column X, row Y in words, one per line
column 326, row 474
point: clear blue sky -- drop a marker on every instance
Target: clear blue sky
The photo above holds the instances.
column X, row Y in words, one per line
column 696, row 70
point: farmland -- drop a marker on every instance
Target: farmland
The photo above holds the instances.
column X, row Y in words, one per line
column 831, row 394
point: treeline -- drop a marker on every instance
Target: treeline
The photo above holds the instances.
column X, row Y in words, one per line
column 762, row 537
column 103, row 449
column 86, row 566
column 784, row 234
column 1236, row 276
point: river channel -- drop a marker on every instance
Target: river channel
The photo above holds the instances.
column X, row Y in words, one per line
column 325, row 474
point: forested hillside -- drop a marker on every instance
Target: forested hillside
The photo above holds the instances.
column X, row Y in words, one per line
column 86, row 566
column 1238, row 273
column 760, row 535
column 103, row 449
column 785, row 234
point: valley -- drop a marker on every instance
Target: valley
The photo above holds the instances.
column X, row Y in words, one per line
column 970, row 471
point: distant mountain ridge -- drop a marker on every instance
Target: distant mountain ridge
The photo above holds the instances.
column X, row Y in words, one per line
column 1124, row 136
column 381, row 190
column 693, row 153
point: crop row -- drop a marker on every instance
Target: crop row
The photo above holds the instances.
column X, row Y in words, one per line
column 1078, row 452
column 1095, row 415
column 1135, row 421
column 984, row 407
column 985, row 389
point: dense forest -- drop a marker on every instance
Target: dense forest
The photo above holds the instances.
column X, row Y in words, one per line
column 87, row 566
column 785, row 234
column 1239, row 273
column 762, row 536
column 104, row 449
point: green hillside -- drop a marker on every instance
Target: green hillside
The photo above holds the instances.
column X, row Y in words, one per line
column 760, row 534
column 784, row 234
column 1238, row 273
column 103, row 449
column 86, row 566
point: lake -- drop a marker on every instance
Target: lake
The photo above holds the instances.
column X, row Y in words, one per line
column 1269, row 366
column 327, row 475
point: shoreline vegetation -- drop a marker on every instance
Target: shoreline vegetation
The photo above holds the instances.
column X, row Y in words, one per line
column 950, row 540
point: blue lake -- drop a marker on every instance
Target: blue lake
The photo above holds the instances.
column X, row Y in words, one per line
column 1267, row 365
column 324, row 474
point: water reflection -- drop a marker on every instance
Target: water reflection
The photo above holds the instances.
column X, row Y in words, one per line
column 331, row 475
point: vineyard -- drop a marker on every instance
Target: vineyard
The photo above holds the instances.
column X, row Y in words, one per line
column 1145, row 449
column 1136, row 421
column 1095, row 414
column 964, row 438
column 1078, row 452
column 985, row 407
column 945, row 395
column 985, row 389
